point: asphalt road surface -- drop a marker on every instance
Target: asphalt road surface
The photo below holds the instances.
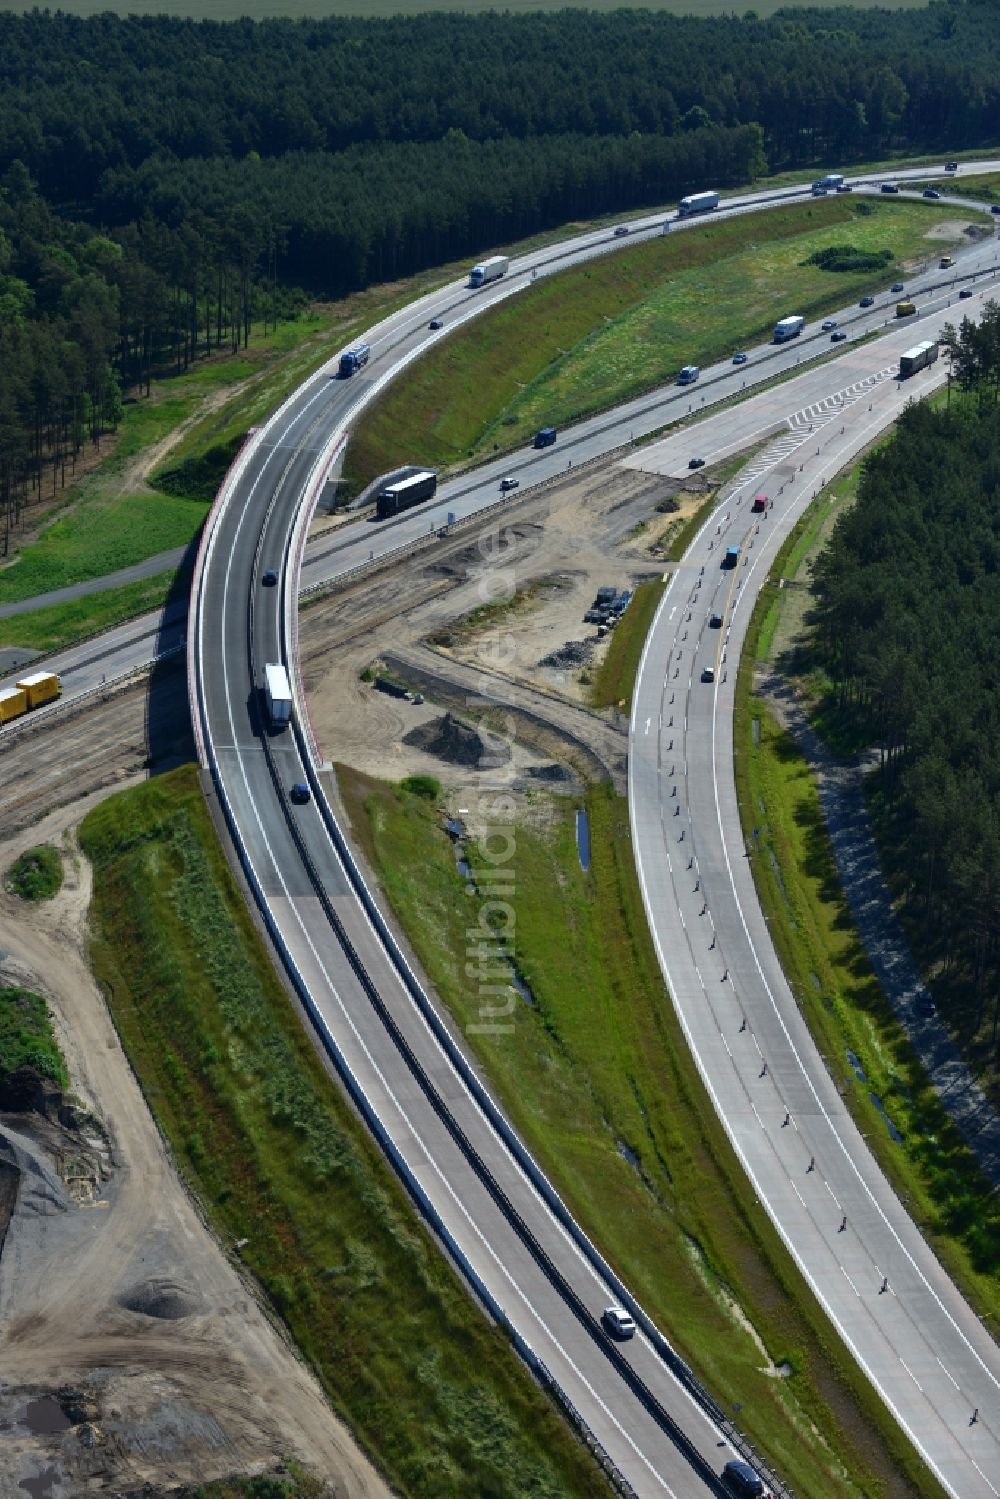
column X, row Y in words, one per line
column 919, row 1343
column 493, row 1216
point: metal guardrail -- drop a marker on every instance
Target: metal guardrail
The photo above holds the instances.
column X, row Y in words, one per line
column 311, row 758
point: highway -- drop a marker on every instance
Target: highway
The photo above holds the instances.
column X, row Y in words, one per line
column 482, row 1193
column 920, row 1344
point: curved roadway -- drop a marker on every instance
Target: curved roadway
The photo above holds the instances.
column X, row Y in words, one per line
column 489, row 1202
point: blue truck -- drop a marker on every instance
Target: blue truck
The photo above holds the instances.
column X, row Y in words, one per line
column 354, row 360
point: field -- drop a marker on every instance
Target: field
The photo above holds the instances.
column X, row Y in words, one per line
column 625, row 323
column 597, row 1077
column 230, row 10
column 280, row 1163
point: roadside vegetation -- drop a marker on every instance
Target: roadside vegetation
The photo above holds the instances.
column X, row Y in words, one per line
column 614, row 678
column 27, row 1038
column 799, row 888
column 281, row 1164
column 596, row 1075
column 111, row 518
column 37, row 874
column 601, row 333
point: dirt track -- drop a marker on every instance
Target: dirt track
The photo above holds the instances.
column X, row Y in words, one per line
column 189, row 1380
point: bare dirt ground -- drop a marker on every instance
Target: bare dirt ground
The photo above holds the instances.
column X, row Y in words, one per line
column 131, row 1350
column 594, row 527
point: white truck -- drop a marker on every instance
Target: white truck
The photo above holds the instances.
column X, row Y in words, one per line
column 489, row 270
column 277, row 695
column 829, row 183
column 697, row 203
column 788, row 327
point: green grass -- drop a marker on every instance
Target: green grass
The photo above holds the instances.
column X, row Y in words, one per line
column 60, row 625
column 278, row 1160
column 26, row 1036
column 615, row 677
column 604, row 332
column 291, row 1483
column 37, row 874
column 797, row 883
column 984, row 185
column 99, row 537
column 599, row 1065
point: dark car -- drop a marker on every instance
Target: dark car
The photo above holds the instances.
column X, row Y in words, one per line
column 889, row 187
column 300, row 793
column 269, row 578
column 435, row 322
column 867, row 302
column 931, row 192
column 621, row 231
column 696, row 463
column 508, row 482
column 828, row 323
column 740, row 1478
column 545, row 437
column 965, row 293
column 897, row 286
column 838, row 337
column 740, row 358
column 995, row 208
column 844, row 187
column 951, row 166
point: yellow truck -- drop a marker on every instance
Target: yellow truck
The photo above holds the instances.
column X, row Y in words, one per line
column 905, row 309
column 13, row 702
column 41, row 687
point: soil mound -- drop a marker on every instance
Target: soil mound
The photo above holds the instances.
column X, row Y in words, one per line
column 458, row 743
column 550, row 772
column 166, row 1299
column 573, row 653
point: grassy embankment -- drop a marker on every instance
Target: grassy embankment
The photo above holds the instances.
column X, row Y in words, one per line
column 109, row 519
column 26, row 1036
column 799, row 889
column 280, row 1162
column 606, row 331
column 598, row 1079
column 984, row 186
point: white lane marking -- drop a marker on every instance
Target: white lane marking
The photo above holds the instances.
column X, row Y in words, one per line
column 948, row 1373
column 850, row 1282
column 912, row 1375
column 404, row 1117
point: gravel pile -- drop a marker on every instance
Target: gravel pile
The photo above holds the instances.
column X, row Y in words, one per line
column 573, row 653
column 458, row 743
column 160, row 1298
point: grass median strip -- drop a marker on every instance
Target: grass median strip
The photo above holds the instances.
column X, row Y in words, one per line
column 279, row 1161
column 596, row 1075
column 600, row 333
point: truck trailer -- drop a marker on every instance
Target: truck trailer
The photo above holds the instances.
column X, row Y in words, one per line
column 697, row 203
column 489, row 270
column 829, row 183
column 277, row 695
column 405, row 493
column 788, row 327
column 918, row 358
column 41, row 687
column 354, row 360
